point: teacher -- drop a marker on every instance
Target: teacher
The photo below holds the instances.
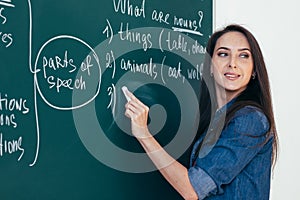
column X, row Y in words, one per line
column 238, row 164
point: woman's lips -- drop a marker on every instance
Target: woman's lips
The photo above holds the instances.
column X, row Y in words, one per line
column 231, row 76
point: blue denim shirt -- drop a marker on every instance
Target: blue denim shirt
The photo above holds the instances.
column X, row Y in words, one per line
column 237, row 166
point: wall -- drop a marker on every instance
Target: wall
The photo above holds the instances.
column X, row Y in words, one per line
column 273, row 22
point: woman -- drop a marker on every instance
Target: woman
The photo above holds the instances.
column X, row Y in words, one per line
column 237, row 164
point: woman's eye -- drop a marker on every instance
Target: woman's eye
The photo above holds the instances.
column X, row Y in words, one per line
column 222, row 54
column 244, row 55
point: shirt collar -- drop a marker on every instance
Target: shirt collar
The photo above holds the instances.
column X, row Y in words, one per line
column 225, row 107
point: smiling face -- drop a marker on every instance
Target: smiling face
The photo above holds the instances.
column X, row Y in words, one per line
column 232, row 64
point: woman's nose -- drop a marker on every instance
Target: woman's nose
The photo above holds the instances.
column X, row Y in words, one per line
column 232, row 62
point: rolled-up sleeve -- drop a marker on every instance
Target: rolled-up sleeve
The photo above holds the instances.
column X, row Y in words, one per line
column 201, row 182
column 238, row 144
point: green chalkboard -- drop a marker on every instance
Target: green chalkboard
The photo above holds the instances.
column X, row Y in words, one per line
column 63, row 133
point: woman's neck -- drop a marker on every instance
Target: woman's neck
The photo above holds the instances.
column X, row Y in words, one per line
column 224, row 96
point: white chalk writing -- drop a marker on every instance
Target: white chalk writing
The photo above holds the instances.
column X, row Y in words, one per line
column 6, row 38
column 11, row 146
column 126, row 7
column 135, row 37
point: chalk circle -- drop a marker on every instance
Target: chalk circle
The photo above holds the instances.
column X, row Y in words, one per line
column 65, row 64
column 92, row 134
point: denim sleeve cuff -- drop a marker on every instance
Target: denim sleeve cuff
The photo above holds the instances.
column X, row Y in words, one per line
column 201, row 182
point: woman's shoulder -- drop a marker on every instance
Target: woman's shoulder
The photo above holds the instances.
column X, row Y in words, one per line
column 250, row 109
column 250, row 118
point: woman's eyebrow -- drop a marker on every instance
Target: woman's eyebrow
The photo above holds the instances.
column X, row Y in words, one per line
column 241, row 49
column 225, row 48
column 244, row 49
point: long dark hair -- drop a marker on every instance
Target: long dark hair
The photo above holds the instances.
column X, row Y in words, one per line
column 257, row 92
